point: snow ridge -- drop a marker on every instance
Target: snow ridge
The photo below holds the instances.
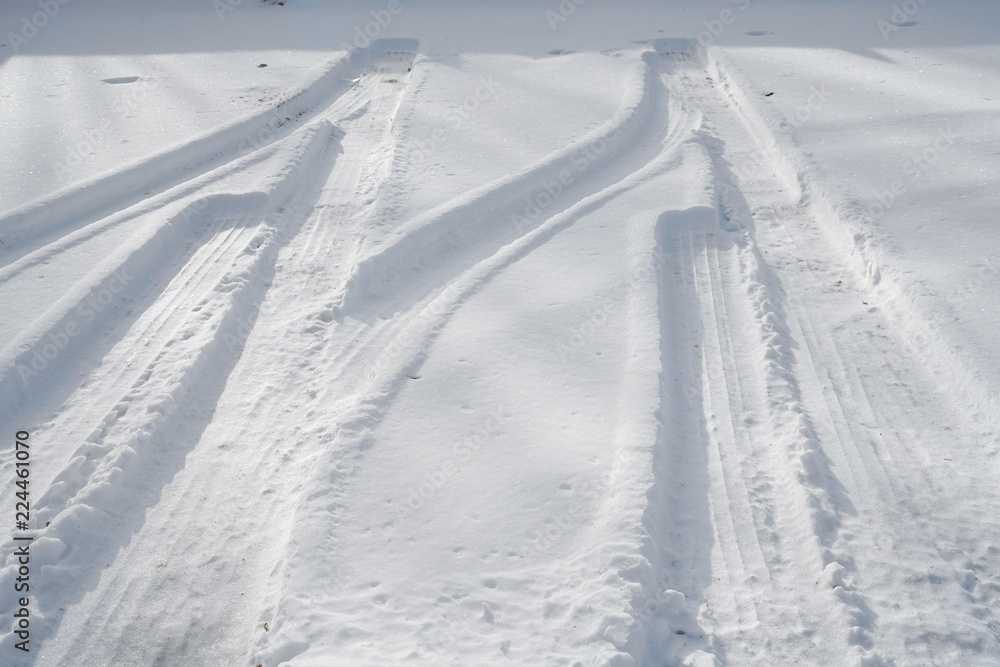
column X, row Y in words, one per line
column 38, row 222
column 99, row 486
column 844, row 226
column 503, row 210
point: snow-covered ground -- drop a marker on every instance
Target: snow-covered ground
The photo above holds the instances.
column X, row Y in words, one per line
column 487, row 333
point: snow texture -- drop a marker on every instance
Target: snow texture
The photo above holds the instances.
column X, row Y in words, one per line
column 582, row 334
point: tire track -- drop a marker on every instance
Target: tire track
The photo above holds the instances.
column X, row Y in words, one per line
column 151, row 329
column 357, row 337
column 429, row 251
column 743, row 555
column 689, row 470
column 854, row 246
column 377, row 347
column 795, row 497
column 54, row 319
column 362, row 341
column 892, row 530
column 197, row 640
column 751, row 475
column 861, row 438
column 49, row 380
column 350, row 199
column 140, row 271
column 41, row 222
column 127, row 459
column 106, row 238
column 870, row 449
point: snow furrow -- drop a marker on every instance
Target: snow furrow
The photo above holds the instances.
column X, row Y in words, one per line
column 42, row 221
column 354, row 432
column 820, row 493
column 477, row 351
column 406, row 267
column 737, row 531
column 45, row 354
column 792, row 486
column 690, row 521
column 840, row 420
column 870, row 447
column 211, row 622
column 101, row 484
column 841, row 225
column 352, row 196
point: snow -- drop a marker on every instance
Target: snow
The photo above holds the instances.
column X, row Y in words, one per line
column 522, row 333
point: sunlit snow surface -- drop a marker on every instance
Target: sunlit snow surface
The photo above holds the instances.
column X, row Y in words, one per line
column 501, row 333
